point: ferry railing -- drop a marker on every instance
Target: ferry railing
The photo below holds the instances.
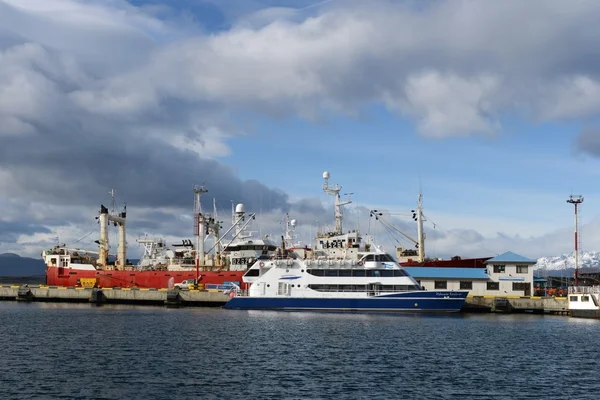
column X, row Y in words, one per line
column 584, row 289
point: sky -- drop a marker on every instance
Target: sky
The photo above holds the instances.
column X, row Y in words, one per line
column 491, row 110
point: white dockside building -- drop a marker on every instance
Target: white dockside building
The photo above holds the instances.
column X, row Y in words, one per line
column 508, row 274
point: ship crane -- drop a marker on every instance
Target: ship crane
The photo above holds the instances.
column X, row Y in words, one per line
column 417, row 216
column 377, row 214
column 240, row 213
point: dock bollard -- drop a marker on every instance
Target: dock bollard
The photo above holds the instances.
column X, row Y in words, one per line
column 501, row 305
column 24, row 293
column 97, row 296
column 173, row 298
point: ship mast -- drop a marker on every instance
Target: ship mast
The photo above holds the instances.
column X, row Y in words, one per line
column 118, row 219
column 335, row 191
column 418, row 216
column 216, row 231
column 576, row 200
column 199, row 227
column 290, row 231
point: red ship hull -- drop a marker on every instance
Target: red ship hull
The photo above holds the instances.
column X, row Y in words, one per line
column 56, row 276
column 456, row 263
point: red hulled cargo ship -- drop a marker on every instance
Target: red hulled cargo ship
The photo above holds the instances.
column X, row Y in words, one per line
column 161, row 266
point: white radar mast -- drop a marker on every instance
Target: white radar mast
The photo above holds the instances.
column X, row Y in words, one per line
column 335, row 191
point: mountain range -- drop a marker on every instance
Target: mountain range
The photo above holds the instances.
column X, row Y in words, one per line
column 587, row 260
column 14, row 265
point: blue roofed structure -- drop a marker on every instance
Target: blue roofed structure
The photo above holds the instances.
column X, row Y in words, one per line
column 508, row 274
column 510, row 257
column 446, row 273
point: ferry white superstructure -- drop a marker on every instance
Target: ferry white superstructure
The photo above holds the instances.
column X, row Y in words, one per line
column 342, row 273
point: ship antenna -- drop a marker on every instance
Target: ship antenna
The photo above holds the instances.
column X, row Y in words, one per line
column 232, row 213
column 576, row 200
column 113, row 204
column 338, row 212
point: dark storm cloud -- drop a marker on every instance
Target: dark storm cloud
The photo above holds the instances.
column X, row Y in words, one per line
column 78, row 168
column 10, row 231
column 59, row 154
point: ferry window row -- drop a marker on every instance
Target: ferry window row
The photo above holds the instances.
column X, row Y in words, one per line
column 357, row 272
column 378, row 258
column 363, row 288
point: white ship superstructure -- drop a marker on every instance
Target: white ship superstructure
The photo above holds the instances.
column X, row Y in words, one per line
column 342, row 272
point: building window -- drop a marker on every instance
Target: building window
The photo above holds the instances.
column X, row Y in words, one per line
column 466, row 285
column 520, row 285
column 522, row 269
column 498, row 269
column 493, row 286
column 441, row 284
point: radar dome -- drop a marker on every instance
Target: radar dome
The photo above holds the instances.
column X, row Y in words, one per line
column 240, row 208
column 293, row 222
column 325, row 175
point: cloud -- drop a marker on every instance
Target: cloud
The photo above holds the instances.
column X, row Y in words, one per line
column 588, row 141
column 99, row 95
column 449, row 105
column 448, row 77
column 11, row 231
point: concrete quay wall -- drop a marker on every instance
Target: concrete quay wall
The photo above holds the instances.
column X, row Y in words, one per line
column 167, row 297
column 515, row 304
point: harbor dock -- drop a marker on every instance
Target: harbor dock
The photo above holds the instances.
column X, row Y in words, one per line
column 141, row 296
column 517, row 304
column 215, row 298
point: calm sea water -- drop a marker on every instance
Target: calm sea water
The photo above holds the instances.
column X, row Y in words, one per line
column 54, row 351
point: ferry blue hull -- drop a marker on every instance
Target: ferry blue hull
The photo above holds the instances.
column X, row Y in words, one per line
column 419, row 302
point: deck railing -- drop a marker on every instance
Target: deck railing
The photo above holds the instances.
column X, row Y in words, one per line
column 584, row 289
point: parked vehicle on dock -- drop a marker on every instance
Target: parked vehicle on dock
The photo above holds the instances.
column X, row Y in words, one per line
column 187, row 284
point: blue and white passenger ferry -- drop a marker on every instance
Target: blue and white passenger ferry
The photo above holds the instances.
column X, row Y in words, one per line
column 342, row 273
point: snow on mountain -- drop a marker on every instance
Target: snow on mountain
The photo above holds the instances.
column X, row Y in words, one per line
column 587, row 259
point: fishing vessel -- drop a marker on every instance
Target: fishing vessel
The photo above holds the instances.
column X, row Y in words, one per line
column 584, row 301
column 343, row 272
column 162, row 266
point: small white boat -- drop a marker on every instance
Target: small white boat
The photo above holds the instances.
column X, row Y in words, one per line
column 584, row 301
